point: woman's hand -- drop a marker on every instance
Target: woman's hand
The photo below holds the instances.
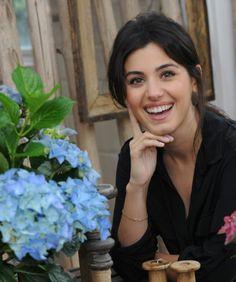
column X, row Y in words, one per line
column 143, row 153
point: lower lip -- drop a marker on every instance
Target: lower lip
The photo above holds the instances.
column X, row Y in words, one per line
column 161, row 116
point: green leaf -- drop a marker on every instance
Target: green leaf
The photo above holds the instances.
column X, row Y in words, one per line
column 3, row 145
column 30, row 271
column 30, row 85
column 27, row 81
column 38, row 98
column 5, row 119
column 70, row 248
column 7, row 274
column 52, row 113
column 11, row 139
column 57, row 274
column 4, row 165
column 32, row 149
column 29, row 277
column 11, row 108
column 45, row 168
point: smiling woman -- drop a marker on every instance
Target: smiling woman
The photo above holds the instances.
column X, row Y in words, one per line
column 175, row 176
column 159, row 91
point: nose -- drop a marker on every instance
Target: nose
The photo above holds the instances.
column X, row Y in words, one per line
column 154, row 89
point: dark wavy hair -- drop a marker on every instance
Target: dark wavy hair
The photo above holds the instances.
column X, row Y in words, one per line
column 152, row 27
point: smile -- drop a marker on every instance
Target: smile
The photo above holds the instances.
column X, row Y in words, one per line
column 159, row 109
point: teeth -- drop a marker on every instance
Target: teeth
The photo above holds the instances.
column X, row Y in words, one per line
column 157, row 110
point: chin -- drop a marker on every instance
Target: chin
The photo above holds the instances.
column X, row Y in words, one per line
column 160, row 132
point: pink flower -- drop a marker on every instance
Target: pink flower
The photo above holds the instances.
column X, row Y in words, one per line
column 229, row 228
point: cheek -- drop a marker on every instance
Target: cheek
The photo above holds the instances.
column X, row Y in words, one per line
column 183, row 91
column 133, row 98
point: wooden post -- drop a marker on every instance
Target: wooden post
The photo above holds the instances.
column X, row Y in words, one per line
column 185, row 270
column 94, row 253
column 107, row 24
column 86, row 132
column 156, row 270
column 10, row 54
column 100, row 261
column 196, row 11
column 40, row 25
column 87, row 137
column 129, row 10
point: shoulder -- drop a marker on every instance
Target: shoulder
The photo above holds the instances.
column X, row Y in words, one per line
column 125, row 146
column 218, row 137
column 123, row 165
column 125, row 149
column 218, row 129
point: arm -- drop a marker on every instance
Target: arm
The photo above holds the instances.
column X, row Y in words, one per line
column 128, row 260
column 135, row 239
column 143, row 159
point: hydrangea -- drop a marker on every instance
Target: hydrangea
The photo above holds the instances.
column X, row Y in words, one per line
column 88, row 208
column 38, row 215
column 33, row 214
column 63, row 150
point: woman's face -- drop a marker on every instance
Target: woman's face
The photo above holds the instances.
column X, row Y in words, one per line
column 159, row 91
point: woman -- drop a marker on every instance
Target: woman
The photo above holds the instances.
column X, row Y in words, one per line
column 176, row 176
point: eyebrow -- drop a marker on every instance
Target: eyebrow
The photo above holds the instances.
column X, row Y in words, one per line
column 157, row 69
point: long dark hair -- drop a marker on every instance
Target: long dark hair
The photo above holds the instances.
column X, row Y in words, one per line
column 166, row 33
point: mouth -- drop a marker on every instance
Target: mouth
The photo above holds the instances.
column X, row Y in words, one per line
column 158, row 110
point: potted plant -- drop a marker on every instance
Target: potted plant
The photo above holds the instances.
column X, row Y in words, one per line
column 48, row 195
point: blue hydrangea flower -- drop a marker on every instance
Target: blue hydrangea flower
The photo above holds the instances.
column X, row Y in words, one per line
column 63, row 150
column 37, row 215
column 11, row 93
column 33, row 214
column 88, row 207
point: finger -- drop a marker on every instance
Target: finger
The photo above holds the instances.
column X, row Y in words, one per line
column 164, row 138
column 147, row 143
column 134, row 123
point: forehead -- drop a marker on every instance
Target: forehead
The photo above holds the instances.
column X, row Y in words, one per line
column 151, row 55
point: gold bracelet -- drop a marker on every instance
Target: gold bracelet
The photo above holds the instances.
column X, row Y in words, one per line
column 135, row 219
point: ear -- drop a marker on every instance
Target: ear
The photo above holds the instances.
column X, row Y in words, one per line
column 194, row 83
column 199, row 68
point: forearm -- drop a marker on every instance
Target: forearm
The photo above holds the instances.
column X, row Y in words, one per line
column 134, row 220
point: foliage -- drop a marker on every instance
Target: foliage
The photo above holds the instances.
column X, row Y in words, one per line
column 48, row 195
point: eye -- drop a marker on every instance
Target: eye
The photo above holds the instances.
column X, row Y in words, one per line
column 167, row 74
column 135, row 81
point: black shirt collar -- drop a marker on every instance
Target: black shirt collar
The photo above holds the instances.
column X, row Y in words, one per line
column 213, row 131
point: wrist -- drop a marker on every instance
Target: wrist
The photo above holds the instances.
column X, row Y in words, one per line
column 134, row 187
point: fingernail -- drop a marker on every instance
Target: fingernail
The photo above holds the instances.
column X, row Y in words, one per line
column 171, row 138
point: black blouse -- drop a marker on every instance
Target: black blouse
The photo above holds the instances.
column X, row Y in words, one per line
column 213, row 197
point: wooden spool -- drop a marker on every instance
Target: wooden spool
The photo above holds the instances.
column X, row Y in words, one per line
column 156, row 270
column 185, row 270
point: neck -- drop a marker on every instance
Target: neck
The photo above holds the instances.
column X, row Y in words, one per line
column 186, row 144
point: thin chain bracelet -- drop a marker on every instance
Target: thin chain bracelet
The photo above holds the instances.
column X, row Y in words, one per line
column 135, row 219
